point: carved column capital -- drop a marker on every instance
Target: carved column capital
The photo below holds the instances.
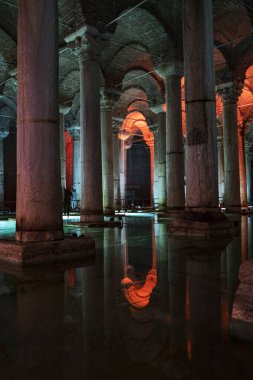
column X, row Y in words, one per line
column 74, row 132
column 230, row 92
column 88, row 43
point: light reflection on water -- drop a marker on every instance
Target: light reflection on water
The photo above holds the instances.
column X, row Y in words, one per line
column 152, row 306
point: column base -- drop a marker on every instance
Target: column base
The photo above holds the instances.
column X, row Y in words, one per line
column 50, row 252
column 92, row 218
column 206, row 225
column 39, row 236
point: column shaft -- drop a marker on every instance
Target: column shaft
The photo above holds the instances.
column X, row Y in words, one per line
column 90, row 142
column 116, row 172
column 221, row 170
column 174, row 145
column 107, row 159
column 231, row 159
column 201, row 163
column 162, row 160
column 122, row 174
column 76, row 170
column 242, row 166
column 39, row 204
column 156, row 165
column 62, row 151
column 249, row 174
column 1, row 175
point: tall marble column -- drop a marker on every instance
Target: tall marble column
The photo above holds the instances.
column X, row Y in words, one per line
column 39, row 205
column 249, row 156
column 122, row 174
column 161, row 119
column 116, row 171
column 88, row 43
column 220, row 168
column 174, row 139
column 156, row 164
column 106, row 106
column 229, row 93
column 3, row 134
column 74, row 132
column 242, row 165
column 201, row 151
column 62, row 151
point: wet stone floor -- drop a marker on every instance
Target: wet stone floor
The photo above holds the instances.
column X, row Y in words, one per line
column 150, row 307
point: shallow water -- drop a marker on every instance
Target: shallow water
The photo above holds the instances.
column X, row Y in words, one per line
column 151, row 307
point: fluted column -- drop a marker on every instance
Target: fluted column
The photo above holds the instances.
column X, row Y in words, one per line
column 229, row 93
column 249, row 156
column 39, row 205
column 116, row 171
column 242, row 165
column 220, row 167
column 201, row 150
column 106, row 106
column 74, row 132
column 174, row 139
column 3, row 134
column 88, row 43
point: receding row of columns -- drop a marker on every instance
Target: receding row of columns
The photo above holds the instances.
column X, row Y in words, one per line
column 39, row 161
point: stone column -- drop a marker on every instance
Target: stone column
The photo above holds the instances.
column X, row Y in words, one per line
column 107, row 152
column 122, row 174
column 220, row 168
column 242, row 165
column 229, row 94
column 201, row 150
column 88, row 43
column 3, row 134
column 74, row 132
column 62, row 151
column 39, row 203
column 249, row 155
column 174, row 140
column 156, row 164
column 161, row 116
column 116, row 172
column 152, row 174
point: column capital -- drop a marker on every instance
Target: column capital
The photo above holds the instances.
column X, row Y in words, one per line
column 230, row 91
column 158, row 108
column 4, row 132
column 88, row 43
column 171, row 68
column 116, row 124
column 74, row 132
column 107, row 99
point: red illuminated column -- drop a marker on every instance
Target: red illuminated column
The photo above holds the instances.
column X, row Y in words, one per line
column 116, row 171
column 201, row 150
column 3, row 134
column 106, row 106
column 39, row 203
column 74, row 132
column 88, row 43
column 242, row 165
column 174, row 139
column 229, row 93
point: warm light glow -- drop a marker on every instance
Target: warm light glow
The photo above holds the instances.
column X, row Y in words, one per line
column 69, row 161
column 137, row 294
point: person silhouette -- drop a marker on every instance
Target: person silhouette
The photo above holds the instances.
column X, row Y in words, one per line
column 67, row 201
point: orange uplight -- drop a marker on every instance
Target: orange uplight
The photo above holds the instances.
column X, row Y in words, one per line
column 134, row 123
column 137, row 293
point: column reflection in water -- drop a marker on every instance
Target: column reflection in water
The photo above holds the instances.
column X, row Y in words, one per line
column 109, row 294
column 93, row 313
column 205, row 310
column 177, row 299
column 250, row 238
column 233, row 252
column 40, row 305
column 244, row 237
